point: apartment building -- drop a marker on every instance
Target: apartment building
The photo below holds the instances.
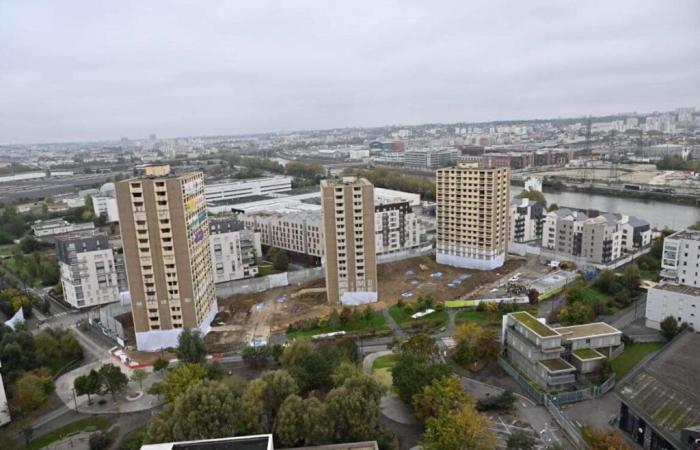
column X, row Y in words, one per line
column 429, row 160
column 300, row 234
column 678, row 294
column 221, row 192
column 105, row 205
column 233, row 249
column 165, row 232
column 472, row 216
column 526, row 220
column 601, row 239
column 88, row 270
column 5, row 417
column 554, row 358
column 349, row 237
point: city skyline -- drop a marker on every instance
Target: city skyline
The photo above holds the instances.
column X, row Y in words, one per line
column 83, row 72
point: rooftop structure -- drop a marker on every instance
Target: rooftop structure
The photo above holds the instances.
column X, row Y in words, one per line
column 221, row 192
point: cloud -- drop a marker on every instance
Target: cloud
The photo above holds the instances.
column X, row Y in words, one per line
column 75, row 70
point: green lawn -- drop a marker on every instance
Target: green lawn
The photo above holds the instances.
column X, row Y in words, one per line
column 632, row 355
column 91, row 423
column 591, row 294
column 402, row 316
column 375, row 321
column 385, row 362
column 649, row 275
column 471, row 315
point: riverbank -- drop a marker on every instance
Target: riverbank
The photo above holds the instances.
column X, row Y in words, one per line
column 615, row 191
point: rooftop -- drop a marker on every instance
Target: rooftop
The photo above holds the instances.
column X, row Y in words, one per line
column 556, row 365
column 587, row 330
column 692, row 235
column 681, row 289
column 259, row 442
column 665, row 390
column 586, row 354
column 534, row 325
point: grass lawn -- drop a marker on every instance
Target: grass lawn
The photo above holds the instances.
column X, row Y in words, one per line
column 267, row 269
column 375, row 321
column 632, row 355
column 649, row 275
column 385, row 362
column 471, row 315
column 91, row 423
column 402, row 317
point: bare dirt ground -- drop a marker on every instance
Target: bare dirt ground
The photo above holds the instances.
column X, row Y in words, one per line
column 245, row 318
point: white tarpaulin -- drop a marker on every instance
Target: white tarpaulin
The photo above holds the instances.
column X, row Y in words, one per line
column 278, row 280
column 151, row 341
column 358, row 298
column 470, row 263
column 16, row 319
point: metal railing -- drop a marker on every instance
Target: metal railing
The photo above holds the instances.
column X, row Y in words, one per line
column 566, row 425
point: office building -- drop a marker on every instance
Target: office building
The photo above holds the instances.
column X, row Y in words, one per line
column 348, row 224
column 88, row 271
column 555, row 357
column 56, row 227
column 526, row 220
column 472, row 216
column 165, row 232
column 429, row 160
column 233, row 249
column 222, row 192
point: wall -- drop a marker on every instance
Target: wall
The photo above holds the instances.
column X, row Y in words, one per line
column 260, row 284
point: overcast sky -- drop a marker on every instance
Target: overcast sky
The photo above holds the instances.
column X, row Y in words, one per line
column 87, row 70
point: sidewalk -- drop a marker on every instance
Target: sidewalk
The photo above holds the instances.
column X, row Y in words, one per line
column 141, row 400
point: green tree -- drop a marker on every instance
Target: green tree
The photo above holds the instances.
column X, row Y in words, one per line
column 208, row 410
column 113, row 379
column 421, row 345
column 318, row 429
column 502, row 402
column 309, row 367
column 190, row 346
column 521, row 440
column 552, row 207
column 90, row 384
column 31, row 391
column 669, row 327
column 290, row 422
column 160, row 365
column 411, row 374
column 353, row 409
column 535, row 196
column 138, row 375
column 29, row 244
column 262, row 399
column 98, row 440
column 440, row 397
column 280, row 261
column 180, row 379
column 606, row 281
column 631, row 278
column 576, row 314
column 256, row 357
column 344, row 371
column 462, row 429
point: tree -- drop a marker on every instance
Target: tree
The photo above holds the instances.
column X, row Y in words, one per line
column 502, row 402
column 160, row 365
column 256, row 357
column 190, row 346
column 533, row 296
column 353, row 409
column 669, row 327
column 31, row 391
column 411, row 374
column 208, row 410
column 535, row 196
column 464, row 428
column 606, row 281
column 521, row 440
column 180, row 379
column 598, row 439
column 29, row 244
column 318, row 428
column 423, row 346
column 98, row 440
column 89, row 384
column 552, row 207
column 280, row 261
column 290, row 422
column 138, row 375
column 631, row 278
column 113, row 379
column 263, row 398
column 310, row 368
column 440, row 397
column 576, row 314
column 475, row 344
column 344, row 371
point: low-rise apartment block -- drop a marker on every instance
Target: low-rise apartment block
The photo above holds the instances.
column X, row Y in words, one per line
column 88, row 270
column 555, row 358
column 429, row 160
column 233, row 249
column 224, row 191
column 299, row 234
column 55, row 227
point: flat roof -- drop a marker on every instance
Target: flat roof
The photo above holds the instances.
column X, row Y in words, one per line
column 587, row 330
column 584, row 354
column 681, row 289
column 534, row 325
column 557, row 365
column 665, row 390
column 258, row 442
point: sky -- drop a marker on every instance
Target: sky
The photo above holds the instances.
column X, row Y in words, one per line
column 93, row 70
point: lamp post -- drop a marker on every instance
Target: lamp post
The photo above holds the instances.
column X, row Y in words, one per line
column 75, row 399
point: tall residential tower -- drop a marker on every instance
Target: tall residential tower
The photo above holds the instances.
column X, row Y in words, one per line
column 348, row 224
column 165, row 232
column 472, row 216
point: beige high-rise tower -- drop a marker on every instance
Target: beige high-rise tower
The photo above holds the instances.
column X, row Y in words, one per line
column 472, row 216
column 165, row 233
column 348, row 225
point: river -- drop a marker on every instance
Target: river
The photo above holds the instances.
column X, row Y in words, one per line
column 658, row 214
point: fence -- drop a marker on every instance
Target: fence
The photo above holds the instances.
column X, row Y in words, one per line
column 617, row 351
column 522, row 381
column 405, row 254
column 569, row 428
column 250, row 285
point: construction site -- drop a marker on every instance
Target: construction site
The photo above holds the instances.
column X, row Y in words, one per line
column 249, row 319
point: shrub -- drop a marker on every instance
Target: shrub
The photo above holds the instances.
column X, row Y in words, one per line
column 502, row 402
column 98, row 440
